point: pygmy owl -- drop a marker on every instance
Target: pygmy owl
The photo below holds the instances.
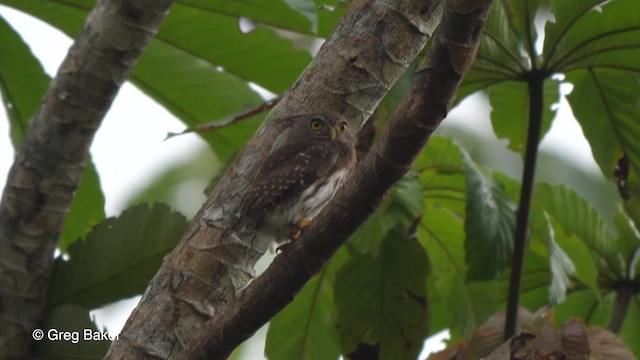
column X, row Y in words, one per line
column 298, row 178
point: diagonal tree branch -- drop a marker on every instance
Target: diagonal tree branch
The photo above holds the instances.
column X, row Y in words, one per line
column 48, row 166
column 434, row 88
column 370, row 48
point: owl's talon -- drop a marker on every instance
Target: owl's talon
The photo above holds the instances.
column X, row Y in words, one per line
column 281, row 248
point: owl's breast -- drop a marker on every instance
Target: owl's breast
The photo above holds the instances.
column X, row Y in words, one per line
column 306, row 204
column 316, row 196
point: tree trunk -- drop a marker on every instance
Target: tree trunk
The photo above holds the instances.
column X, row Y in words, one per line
column 48, row 166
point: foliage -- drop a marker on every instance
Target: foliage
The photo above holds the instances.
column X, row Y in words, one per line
column 441, row 242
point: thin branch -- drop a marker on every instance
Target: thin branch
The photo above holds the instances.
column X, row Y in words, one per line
column 49, row 165
column 220, row 123
column 535, row 81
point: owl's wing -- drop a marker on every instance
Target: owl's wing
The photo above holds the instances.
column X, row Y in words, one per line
column 287, row 171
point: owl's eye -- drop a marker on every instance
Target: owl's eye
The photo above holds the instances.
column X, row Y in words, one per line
column 316, row 124
column 343, row 127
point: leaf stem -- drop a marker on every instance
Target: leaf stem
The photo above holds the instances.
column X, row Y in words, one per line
column 620, row 307
column 535, row 81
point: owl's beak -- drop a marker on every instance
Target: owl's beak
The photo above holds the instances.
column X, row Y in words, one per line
column 333, row 134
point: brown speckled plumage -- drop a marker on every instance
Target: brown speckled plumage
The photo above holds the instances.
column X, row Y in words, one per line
column 298, row 178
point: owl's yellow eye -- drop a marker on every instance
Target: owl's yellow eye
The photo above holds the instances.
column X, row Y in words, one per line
column 343, row 127
column 316, row 124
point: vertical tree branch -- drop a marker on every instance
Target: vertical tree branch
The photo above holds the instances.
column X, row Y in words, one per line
column 535, row 80
column 48, row 166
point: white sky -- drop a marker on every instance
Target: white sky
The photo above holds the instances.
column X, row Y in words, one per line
column 129, row 149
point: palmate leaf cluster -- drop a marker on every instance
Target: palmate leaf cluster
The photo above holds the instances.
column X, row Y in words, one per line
column 436, row 255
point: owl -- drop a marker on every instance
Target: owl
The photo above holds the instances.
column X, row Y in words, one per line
column 299, row 177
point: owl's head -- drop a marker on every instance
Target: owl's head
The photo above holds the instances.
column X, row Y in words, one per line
column 326, row 125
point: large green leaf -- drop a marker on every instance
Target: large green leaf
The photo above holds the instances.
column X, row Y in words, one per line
column 87, row 208
column 382, row 300
column 260, row 56
column 305, row 329
column 593, row 33
column 605, row 104
column 489, row 226
column 23, row 81
column 199, row 65
column 456, row 304
column 118, row 257
column 74, row 323
column 510, row 111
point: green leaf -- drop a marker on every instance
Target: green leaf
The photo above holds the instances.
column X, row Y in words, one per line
column 586, row 269
column 587, row 305
column 71, row 321
column 489, row 226
column 118, row 257
column 285, row 14
column 605, row 104
column 577, row 218
column 305, row 328
column 403, row 205
column 562, row 268
column 593, row 33
column 521, row 16
column 441, row 233
column 306, row 8
column 261, row 56
column 382, row 300
column 628, row 243
column 470, row 303
column 442, row 174
column 87, row 208
column 565, row 14
column 631, row 326
column 197, row 77
column 23, row 81
column 510, row 111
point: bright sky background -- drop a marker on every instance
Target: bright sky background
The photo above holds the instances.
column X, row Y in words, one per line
column 129, row 149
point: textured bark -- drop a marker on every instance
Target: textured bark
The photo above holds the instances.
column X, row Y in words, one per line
column 370, row 48
column 434, row 89
column 48, row 166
